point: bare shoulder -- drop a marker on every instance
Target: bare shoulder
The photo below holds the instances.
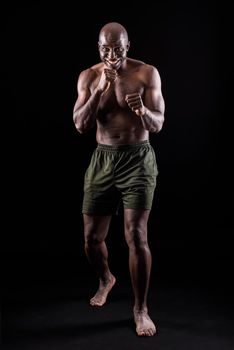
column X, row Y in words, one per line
column 151, row 75
column 88, row 75
column 151, row 70
column 147, row 69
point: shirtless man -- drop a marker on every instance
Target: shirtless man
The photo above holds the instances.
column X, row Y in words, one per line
column 123, row 97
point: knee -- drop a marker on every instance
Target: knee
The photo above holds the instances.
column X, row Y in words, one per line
column 136, row 238
column 92, row 238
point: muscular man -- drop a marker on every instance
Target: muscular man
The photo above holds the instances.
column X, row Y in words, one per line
column 123, row 97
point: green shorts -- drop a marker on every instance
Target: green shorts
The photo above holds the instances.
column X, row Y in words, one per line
column 115, row 173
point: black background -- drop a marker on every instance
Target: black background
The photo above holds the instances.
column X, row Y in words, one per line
column 44, row 48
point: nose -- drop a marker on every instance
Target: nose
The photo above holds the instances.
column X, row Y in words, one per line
column 112, row 54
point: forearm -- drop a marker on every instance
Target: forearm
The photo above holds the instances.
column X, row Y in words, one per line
column 85, row 116
column 152, row 121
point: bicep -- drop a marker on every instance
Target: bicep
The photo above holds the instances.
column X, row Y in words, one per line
column 153, row 98
column 83, row 96
column 83, row 91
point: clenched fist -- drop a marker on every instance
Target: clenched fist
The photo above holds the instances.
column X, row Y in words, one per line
column 108, row 76
column 134, row 101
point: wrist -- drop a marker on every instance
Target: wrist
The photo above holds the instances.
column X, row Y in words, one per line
column 141, row 112
column 98, row 91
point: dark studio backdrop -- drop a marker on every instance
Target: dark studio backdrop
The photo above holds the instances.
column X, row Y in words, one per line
column 44, row 48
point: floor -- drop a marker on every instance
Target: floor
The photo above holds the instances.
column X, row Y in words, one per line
column 190, row 315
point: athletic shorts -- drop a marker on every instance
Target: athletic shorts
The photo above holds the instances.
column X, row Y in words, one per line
column 124, row 173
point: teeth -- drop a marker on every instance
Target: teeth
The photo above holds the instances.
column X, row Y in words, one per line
column 113, row 62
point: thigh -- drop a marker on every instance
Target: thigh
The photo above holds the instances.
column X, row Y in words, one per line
column 100, row 201
column 100, row 196
column 96, row 226
column 136, row 179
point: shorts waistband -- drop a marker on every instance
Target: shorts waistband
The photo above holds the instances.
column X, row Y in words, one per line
column 127, row 147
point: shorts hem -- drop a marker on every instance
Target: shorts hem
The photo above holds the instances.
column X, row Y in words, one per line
column 98, row 212
column 137, row 207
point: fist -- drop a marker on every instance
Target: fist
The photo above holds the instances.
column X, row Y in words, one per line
column 134, row 101
column 108, row 76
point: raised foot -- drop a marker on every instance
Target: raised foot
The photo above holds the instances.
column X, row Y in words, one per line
column 144, row 325
column 100, row 297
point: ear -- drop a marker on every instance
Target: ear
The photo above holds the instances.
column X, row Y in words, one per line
column 99, row 45
column 128, row 45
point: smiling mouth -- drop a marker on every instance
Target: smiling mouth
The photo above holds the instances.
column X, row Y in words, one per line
column 113, row 63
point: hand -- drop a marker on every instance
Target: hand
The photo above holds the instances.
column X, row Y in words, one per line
column 134, row 101
column 108, row 76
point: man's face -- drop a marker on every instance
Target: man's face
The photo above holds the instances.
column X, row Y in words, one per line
column 113, row 51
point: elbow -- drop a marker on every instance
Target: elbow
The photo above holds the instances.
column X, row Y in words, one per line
column 78, row 125
column 82, row 127
column 159, row 128
column 160, row 124
column 79, row 128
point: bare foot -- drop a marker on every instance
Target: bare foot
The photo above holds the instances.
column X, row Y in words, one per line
column 99, row 298
column 144, row 324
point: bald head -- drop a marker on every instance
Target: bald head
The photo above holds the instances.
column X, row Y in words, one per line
column 113, row 32
column 113, row 45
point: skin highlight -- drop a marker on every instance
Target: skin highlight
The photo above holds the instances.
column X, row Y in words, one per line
column 122, row 96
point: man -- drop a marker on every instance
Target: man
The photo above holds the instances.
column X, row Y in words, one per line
column 122, row 97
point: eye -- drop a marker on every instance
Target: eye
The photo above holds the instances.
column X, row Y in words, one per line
column 119, row 49
column 104, row 49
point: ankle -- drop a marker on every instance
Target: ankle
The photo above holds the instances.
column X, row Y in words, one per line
column 106, row 279
column 140, row 309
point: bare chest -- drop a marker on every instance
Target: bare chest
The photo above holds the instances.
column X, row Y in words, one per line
column 114, row 98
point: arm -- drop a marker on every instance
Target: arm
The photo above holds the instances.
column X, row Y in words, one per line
column 152, row 110
column 85, row 109
column 86, row 106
